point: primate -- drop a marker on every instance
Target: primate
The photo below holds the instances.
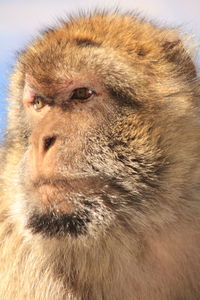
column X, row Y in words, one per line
column 100, row 167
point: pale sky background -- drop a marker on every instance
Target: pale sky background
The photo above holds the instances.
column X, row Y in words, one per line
column 21, row 20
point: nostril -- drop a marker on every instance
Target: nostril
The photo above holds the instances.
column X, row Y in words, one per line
column 48, row 141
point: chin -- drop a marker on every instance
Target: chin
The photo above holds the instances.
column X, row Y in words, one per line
column 59, row 224
column 76, row 215
column 60, row 208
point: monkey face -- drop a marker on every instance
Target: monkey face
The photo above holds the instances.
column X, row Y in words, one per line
column 65, row 189
column 99, row 119
column 71, row 143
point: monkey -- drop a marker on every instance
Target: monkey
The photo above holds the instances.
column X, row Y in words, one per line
column 100, row 165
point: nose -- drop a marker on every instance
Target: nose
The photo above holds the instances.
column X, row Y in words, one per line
column 42, row 155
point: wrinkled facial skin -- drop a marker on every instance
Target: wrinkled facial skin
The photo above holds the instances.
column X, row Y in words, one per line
column 101, row 140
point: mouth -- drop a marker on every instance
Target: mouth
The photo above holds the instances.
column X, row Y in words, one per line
column 58, row 207
column 63, row 194
column 64, row 206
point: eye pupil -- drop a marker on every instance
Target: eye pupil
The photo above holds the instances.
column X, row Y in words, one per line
column 82, row 93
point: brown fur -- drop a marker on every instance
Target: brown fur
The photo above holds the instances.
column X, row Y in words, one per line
column 127, row 159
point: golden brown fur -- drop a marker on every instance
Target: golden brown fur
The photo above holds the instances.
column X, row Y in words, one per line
column 125, row 164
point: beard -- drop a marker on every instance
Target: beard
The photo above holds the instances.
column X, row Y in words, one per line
column 61, row 207
column 77, row 207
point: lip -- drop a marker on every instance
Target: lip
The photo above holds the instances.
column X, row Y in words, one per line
column 61, row 186
column 49, row 182
column 54, row 195
column 63, row 194
column 69, row 184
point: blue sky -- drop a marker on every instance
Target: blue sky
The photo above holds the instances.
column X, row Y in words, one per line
column 21, row 20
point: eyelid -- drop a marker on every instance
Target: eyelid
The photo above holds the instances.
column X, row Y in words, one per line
column 73, row 95
column 35, row 98
column 28, row 94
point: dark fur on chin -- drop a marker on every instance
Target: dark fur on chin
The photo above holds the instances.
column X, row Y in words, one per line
column 58, row 224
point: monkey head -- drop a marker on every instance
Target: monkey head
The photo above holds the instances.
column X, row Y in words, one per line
column 106, row 116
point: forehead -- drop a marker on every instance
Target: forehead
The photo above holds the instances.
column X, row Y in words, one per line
column 118, row 50
column 81, row 42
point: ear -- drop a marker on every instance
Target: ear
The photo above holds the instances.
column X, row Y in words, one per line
column 176, row 53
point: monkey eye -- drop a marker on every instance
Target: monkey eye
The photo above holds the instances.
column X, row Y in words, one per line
column 38, row 103
column 82, row 93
